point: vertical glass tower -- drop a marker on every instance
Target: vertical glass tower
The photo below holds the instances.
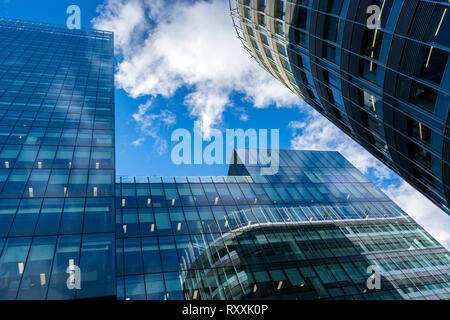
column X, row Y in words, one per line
column 387, row 88
column 56, row 161
column 313, row 230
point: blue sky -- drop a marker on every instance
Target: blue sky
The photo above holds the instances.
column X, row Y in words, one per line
column 179, row 62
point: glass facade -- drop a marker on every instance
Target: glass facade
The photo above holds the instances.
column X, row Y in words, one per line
column 311, row 231
column 386, row 88
column 56, row 161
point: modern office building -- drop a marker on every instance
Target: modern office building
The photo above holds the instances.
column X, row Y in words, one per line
column 309, row 232
column 56, row 161
column 387, row 88
column 314, row 230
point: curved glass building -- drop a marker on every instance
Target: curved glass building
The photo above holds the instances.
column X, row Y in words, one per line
column 377, row 69
column 287, row 268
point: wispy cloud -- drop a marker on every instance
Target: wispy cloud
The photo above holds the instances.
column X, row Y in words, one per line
column 138, row 142
column 151, row 123
column 188, row 44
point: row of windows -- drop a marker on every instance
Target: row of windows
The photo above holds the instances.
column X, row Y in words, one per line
column 56, row 136
column 39, row 121
column 63, row 96
column 39, row 53
column 57, row 50
column 46, row 157
column 218, row 219
column 66, row 48
column 52, row 37
column 29, row 183
column 45, row 53
column 153, row 287
column 416, row 241
column 336, row 281
column 35, row 268
column 208, row 251
column 285, row 175
column 259, row 284
column 44, row 90
column 128, row 180
column 44, row 108
column 56, row 78
column 38, row 75
column 52, row 216
column 381, row 229
column 60, row 96
column 64, row 63
column 47, row 216
column 30, row 57
column 39, row 85
column 157, row 195
column 54, row 34
column 399, row 267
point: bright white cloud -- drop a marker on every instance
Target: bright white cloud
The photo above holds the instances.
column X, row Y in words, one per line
column 125, row 18
column 317, row 133
column 189, row 44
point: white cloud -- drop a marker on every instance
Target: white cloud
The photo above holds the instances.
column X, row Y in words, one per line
column 125, row 18
column 317, row 133
column 190, row 44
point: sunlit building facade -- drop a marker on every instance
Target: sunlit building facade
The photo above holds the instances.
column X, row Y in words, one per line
column 56, row 161
column 314, row 230
column 386, row 88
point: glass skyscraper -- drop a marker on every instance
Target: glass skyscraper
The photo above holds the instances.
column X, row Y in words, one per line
column 56, row 161
column 315, row 230
column 387, row 88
